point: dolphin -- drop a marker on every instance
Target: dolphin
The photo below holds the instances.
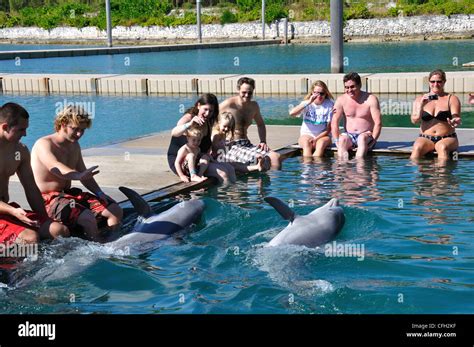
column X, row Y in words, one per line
column 317, row 228
column 152, row 227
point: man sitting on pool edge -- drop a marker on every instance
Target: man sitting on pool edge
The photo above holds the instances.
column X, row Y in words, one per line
column 18, row 226
column 56, row 161
column 363, row 121
column 245, row 111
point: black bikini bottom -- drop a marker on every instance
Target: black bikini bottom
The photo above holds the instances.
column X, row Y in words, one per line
column 435, row 139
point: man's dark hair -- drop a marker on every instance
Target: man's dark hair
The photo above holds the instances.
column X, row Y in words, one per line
column 11, row 113
column 245, row 80
column 353, row 76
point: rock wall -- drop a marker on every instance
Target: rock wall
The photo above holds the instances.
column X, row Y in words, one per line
column 400, row 26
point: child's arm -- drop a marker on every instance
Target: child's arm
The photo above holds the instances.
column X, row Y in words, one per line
column 181, row 156
column 216, row 143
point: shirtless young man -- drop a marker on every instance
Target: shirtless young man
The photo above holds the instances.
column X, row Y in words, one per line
column 244, row 111
column 16, row 224
column 56, row 161
column 363, row 120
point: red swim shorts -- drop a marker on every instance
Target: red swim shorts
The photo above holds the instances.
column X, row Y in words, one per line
column 10, row 227
column 66, row 206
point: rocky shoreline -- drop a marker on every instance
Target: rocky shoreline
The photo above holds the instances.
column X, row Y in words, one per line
column 377, row 29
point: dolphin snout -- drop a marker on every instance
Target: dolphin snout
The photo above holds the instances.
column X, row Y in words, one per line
column 334, row 202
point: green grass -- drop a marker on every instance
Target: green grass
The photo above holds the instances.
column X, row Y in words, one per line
column 53, row 13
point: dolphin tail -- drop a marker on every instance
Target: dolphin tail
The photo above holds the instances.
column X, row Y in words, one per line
column 283, row 209
column 139, row 204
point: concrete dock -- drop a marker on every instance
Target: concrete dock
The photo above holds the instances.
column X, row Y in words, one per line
column 275, row 84
column 80, row 52
column 141, row 164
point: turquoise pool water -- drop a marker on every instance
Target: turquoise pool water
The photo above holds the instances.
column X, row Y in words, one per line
column 119, row 118
column 361, row 57
column 414, row 220
column 115, row 118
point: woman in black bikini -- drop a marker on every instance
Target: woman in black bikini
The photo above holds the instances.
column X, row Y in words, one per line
column 203, row 115
column 439, row 113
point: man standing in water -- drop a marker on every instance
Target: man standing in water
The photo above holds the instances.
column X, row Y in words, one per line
column 363, row 121
column 16, row 224
column 56, row 161
column 244, row 111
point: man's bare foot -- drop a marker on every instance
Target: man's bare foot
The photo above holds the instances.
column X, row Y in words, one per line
column 196, row 178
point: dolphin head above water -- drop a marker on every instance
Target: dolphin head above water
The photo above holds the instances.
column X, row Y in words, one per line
column 316, row 228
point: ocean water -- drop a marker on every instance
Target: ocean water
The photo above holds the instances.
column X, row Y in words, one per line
column 292, row 59
column 414, row 220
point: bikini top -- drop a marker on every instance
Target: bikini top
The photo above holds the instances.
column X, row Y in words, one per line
column 442, row 115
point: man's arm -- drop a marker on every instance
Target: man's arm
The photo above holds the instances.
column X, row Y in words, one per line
column 18, row 213
column 27, row 180
column 336, row 117
column 262, row 129
column 5, row 208
column 224, row 105
column 57, row 168
column 376, row 116
column 89, row 182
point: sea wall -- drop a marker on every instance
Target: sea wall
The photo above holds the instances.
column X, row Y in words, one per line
column 357, row 28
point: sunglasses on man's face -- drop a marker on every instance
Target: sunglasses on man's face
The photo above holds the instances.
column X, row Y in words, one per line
column 437, row 82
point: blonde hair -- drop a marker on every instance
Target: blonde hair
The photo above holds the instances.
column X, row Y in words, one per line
column 225, row 116
column 323, row 86
column 194, row 132
column 75, row 115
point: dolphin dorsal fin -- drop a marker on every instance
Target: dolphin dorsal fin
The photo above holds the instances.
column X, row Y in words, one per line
column 139, row 204
column 283, row 209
